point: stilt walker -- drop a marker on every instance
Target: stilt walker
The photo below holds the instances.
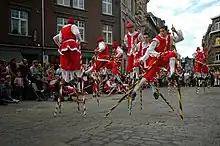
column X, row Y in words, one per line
column 199, row 58
column 130, row 40
column 102, row 54
column 115, row 61
column 68, row 41
column 158, row 52
column 205, row 69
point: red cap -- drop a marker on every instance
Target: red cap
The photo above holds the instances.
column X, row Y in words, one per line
column 70, row 20
column 197, row 49
column 99, row 39
column 129, row 25
column 114, row 44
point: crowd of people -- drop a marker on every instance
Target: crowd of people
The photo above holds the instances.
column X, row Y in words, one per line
column 23, row 81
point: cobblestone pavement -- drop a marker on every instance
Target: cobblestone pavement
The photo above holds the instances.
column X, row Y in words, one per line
column 33, row 124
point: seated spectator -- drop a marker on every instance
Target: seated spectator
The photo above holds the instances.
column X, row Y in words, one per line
column 6, row 88
column 2, row 88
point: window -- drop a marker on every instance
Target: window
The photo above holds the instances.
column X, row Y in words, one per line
column 107, row 33
column 217, row 41
column 217, row 56
column 19, row 22
column 60, row 23
column 79, row 4
column 64, row 2
column 216, row 26
column 107, row 7
column 81, row 26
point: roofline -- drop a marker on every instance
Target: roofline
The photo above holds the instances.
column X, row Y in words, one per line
column 215, row 17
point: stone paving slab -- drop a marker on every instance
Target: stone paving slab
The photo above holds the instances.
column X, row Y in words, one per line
column 33, row 124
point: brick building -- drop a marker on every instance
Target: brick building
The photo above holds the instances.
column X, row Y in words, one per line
column 211, row 40
column 23, row 36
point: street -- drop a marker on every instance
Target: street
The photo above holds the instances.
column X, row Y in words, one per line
column 31, row 123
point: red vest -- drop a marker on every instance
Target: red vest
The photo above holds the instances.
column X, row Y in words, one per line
column 164, row 44
column 104, row 54
column 67, row 33
column 138, row 53
column 131, row 40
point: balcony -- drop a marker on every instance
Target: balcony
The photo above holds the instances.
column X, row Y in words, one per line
column 215, row 28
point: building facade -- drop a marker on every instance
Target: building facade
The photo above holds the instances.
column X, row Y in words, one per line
column 153, row 23
column 211, row 40
column 28, row 29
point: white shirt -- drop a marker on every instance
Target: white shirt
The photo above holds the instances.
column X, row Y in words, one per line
column 58, row 38
column 151, row 50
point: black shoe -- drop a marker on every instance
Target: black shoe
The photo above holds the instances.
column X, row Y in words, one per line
column 133, row 95
column 156, row 95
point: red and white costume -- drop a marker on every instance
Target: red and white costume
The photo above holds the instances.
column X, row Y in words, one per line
column 70, row 54
column 205, row 68
column 199, row 60
column 129, row 40
column 116, row 60
column 159, row 45
column 102, row 55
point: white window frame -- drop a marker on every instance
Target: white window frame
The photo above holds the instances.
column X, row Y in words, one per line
column 81, row 26
column 107, row 30
column 216, row 27
column 78, row 6
column 62, row 3
column 106, row 3
column 64, row 20
column 217, row 54
column 19, row 21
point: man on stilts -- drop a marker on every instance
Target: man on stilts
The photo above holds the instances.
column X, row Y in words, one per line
column 199, row 59
column 102, row 54
column 130, row 40
column 157, row 55
column 68, row 41
column 204, row 68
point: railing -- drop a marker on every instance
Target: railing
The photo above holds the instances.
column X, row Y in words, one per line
column 215, row 27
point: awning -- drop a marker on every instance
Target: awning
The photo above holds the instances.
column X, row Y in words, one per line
column 8, row 55
column 87, row 54
column 210, row 65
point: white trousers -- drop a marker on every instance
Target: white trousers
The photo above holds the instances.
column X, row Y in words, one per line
column 172, row 63
column 70, row 75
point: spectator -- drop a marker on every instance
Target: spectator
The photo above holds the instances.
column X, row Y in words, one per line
column 2, row 88
column 7, row 90
column 3, row 70
column 25, row 72
column 36, row 74
column 19, row 86
column 13, row 68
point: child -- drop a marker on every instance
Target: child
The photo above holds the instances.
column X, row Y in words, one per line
column 19, row 86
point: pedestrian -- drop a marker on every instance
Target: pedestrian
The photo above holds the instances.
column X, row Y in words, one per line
column 19, row 86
